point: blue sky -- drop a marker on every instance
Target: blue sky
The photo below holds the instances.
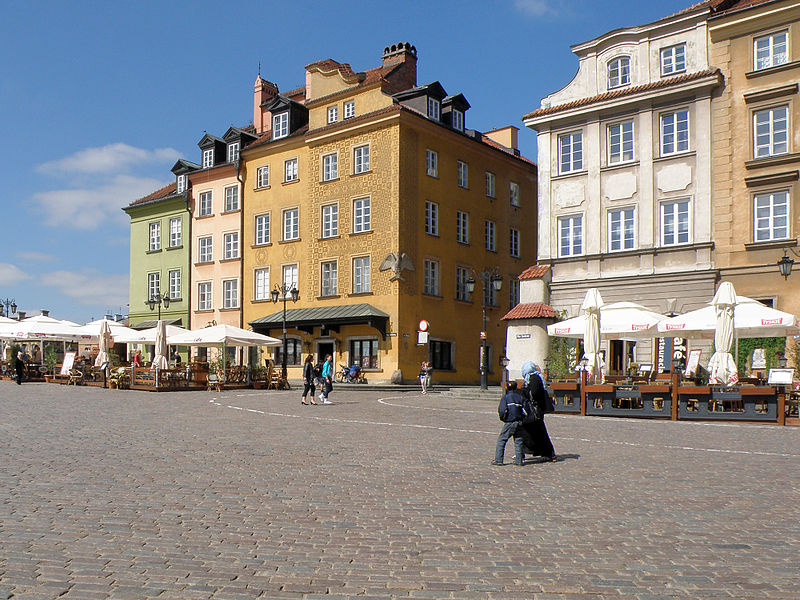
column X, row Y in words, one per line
column 98, row 100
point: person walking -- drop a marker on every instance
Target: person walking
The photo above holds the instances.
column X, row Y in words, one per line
column 308, row 380
column 534, row 433
column 512, row 410
column 137, row 359
column 20, row 365
column 327, row 379
column 425, row 372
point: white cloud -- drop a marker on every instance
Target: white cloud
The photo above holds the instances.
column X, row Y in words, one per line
column 113, row 158
column 35, row 256
column 90, row 207
column 11, row 274
column 536, row 8
column 90, row 287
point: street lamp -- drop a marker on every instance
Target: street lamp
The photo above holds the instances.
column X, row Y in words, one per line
column 490, row 279
column 279, row 292
column 12, row 304
column 785, row 264
column 158, row 300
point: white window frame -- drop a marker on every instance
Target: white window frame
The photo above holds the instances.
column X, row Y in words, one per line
column 361, row 159
column 262, row 177
column 233, row 152
column 462, row 274
column 458, row 120
column 208, row 158
column 491, row 182
column 231, row 245
column 155, row 236
column 261, row 284
column 570, row 146
column 673, row 59
column 431, row 218
column 330, row 220
column 490, row 235
column 434, row 109
column 513, row 193
column 462, row 227
column 230, row 293
column 205, row 299
column 673, row 224
column 431, row 163
column 293, row 275
column 619, row 72
column 431, row 269
column 329, row 278
column 362, row 215
column 174, row 276
column 175, row 232
column 625, row 218
column 767, row 224
column 771, row 59
column 290, row 218
column 333, row 114
column 280, row 125
column 180, row 184
column 361, row 275
column 513, row 242
column 262, row 232
column 462, row 174
column 206, row 204
column 623, row 128
column 770, row 147
column 205, row 249
column 349, row 109
column 574, row 235
column 153, row 285
column 231, row 198
column 290, row 170
column 330, row 166
column 676, row 141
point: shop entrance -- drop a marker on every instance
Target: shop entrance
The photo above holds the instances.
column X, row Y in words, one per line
column 323, row 349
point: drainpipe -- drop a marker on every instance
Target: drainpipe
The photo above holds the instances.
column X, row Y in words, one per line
column 241, row 250
column 188, row 204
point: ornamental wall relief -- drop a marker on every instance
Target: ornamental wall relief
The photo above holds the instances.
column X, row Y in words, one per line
column 620, row 186
column 568, row 194
column 674, row 178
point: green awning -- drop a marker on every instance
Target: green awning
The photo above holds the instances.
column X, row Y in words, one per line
column 328, row 318
column 153, row 322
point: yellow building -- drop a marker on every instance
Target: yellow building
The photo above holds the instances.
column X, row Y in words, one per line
column 372, row 197
column 756, row 146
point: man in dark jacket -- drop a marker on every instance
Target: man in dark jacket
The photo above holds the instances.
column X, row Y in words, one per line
column 512, row 410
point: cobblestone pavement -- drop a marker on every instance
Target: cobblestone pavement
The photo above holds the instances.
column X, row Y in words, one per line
column 120, row 494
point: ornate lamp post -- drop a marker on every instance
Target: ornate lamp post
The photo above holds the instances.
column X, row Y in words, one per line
column 488, row 277
column 12, row 304
column 785, row 264
column 158, row 300
column 279, row 292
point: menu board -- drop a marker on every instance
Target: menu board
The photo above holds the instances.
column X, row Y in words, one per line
column 69, row 361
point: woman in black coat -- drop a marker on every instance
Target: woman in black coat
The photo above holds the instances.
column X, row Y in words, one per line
column 534, row 433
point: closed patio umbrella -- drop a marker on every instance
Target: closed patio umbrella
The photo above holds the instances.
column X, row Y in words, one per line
column 103, row 359
column 160, row 360
column 591, row 335
column 722, row 368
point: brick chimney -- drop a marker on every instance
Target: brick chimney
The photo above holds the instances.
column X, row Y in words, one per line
column 263, row 91
column 405, row 77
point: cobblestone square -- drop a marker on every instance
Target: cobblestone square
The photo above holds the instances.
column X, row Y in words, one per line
column 136, row 495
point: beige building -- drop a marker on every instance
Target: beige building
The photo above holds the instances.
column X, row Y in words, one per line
column 756, row 147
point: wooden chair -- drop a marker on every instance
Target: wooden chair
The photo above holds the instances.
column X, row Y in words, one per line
column 75, row 377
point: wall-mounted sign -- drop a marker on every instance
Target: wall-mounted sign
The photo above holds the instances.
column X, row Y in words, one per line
column 422, row 337
column 423, row 325
column 523, row 336
column 391, row 335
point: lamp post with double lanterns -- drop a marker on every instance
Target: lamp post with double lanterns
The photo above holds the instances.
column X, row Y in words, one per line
column 490, row 280
column 9, row 304
column 280, row 292
column 158, row 300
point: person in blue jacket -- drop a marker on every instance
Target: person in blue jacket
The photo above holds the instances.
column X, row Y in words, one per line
column 327, row 379
column 512, row 410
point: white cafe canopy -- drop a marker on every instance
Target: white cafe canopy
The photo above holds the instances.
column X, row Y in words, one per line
column 41, row 328
column 146, row 336
column 618, row 320
column 117, row 329
column 227, row 335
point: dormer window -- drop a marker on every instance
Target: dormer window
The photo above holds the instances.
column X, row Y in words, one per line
column 434, row 109
column 349, row 109
column 333, row 114
column 458, row 120
column 181, row 184
column 280, row 126
column 673, row 60
column 233, row 152
column 208, row 158
column 619, row 72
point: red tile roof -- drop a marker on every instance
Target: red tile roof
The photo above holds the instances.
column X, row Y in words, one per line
column 534, row 272
column 653, row 85
column 534, row 310
column 167, row 190
column 721, row 7
column 329, row 64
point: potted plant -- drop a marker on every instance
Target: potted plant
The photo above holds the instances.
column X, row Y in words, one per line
column 258, row 376
column 50, row 360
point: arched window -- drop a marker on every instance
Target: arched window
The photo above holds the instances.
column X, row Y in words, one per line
column 619, row 72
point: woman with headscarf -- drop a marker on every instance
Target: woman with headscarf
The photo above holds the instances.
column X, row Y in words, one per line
column 534, row 433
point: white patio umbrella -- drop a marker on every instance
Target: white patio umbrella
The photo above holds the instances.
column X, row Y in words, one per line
column 116, row 329
column 227, row 335
column 103, row 359
column 591, row 335
column 721, row 366
column 43, row 329
column 618, row 320
column 6, row 320
column 147, row 336
column 160, row 360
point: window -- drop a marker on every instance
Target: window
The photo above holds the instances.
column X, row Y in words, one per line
column 513, row 242
column 232, row 198
column 330, row 167
column 333, row 114
column 771, row 216
column 294, row 352
column 489, row 295
column 434, row 109
column 458, row 120
column 364, row 353
column 290, row 276
column 233, row 152
column 489, row 228
column 570, row 152
column 674, row 132
column 174, row 284
column 431, row 163
column 441, row 355
column 155, row 236
column 204, row 296
column 675, row 223
column 513, row 193
column 349, row 109
column 620, row 142
column 262, row 229
column 230, row 293
column 361, row 275
column 490, row 179
column 153, row 285
column 770, row 129
column 770, row 51
column 231, row 245
column 208, row 158
column 204, row 249
column 262, row 176
column 570, row 235
column 280, row 125
column 462, row 227
column 620, row 230
column 513, row 292
column 431, row 218
column 673, row 60
column 291, row 224
column 290, row 170
column 431, row 283
column 205, row 204
column 361, row 215
column 330, row 220
column 330, row 278
column 619, row 72
column 181, row 185
column 462, row 294
column 261, row 286
column 463, row 174
column 175, row 237
column 361, row 159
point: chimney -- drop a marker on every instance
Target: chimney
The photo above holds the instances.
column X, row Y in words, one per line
column 405, row 77
column 263, row 91
column 21, row 315
column 45, row 313
column 505, row 136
